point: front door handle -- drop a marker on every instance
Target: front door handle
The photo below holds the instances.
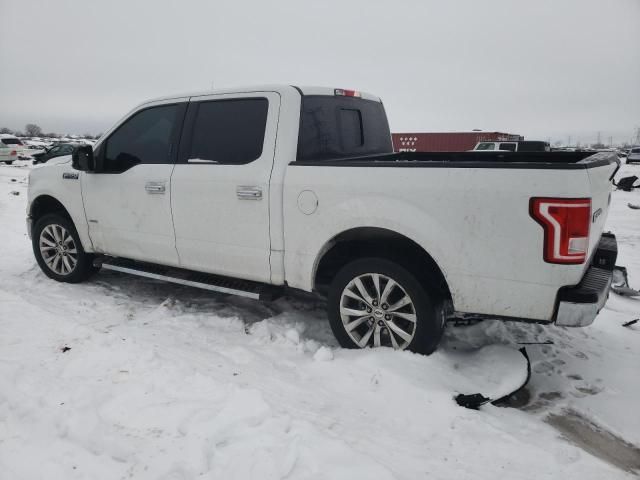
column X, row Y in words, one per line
column 155, row 187
column 249, row 193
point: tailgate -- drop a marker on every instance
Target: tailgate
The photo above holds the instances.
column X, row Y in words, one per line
column 602, row 167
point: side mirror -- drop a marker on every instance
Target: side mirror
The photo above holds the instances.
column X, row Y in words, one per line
column 82, row 158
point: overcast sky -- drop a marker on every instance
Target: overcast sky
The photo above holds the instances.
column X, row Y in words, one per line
column 540, row 68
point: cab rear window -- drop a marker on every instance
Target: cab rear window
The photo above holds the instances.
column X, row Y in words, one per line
column 342, row 127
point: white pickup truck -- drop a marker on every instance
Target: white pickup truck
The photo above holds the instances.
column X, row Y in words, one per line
column 513, row 146
column 251, row 191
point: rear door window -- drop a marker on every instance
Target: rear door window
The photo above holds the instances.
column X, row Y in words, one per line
column 228, row 131
column 334, row 127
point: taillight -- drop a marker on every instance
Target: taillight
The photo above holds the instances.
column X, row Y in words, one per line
column 13, row 152
column 346, row 93
column 566, row 225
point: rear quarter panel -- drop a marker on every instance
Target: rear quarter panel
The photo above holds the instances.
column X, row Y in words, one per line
column 474, row 222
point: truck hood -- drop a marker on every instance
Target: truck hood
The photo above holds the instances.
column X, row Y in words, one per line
column 55, row 161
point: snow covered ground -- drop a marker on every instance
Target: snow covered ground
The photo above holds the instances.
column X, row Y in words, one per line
column 126, row 378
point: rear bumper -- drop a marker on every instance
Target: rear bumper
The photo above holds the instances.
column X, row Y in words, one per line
column 578, row 305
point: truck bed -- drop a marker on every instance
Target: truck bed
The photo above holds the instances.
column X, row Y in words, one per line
column 526, row 160
column 470, row 211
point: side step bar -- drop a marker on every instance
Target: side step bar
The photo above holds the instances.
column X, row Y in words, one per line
column 205, row 281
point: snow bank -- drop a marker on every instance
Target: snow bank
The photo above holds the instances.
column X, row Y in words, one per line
column 127, row 378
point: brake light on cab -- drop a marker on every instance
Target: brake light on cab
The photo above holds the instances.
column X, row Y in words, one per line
column 346, row 93
column 566, row 223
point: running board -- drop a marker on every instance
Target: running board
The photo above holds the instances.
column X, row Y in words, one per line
column 181, row 276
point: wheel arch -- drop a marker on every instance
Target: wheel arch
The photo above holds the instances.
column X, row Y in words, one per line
column 361, row 242
column 45, row 204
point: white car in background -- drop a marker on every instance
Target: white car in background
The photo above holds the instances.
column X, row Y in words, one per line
column 507, row 146
column 8, row 154
column 634, row 155
column 11, row 141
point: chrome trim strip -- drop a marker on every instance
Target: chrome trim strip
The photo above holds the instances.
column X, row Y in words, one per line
column 205, row 286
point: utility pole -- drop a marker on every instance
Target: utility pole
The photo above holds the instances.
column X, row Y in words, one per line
column 598, row 142
column 569, row 141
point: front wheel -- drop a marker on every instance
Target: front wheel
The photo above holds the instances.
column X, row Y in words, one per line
column 375, row 302
column 58, row 251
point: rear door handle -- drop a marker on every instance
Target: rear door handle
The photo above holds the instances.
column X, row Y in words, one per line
column 155, row 187
column 249, row 193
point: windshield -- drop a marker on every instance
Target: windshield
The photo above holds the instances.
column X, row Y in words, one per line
column 334, row 127
column 11, row 141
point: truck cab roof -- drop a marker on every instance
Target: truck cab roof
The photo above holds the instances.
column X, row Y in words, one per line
column 279, row 88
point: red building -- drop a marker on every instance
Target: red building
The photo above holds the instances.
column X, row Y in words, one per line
column 446, row 141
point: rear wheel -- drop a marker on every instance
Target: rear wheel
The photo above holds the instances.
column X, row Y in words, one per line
column 374, row 302
column 58, row 251
column 9, row 162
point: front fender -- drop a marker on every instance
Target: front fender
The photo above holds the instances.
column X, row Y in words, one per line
column 48, row 181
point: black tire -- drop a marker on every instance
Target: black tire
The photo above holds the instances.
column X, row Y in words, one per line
column 10, row 162
column 429, row 316
column 84, row 265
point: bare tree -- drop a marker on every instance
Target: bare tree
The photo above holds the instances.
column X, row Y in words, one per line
column 6, row 130
column 32, row 130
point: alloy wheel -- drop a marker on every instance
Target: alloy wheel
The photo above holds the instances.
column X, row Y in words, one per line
column 58, row 249
column 377, row 311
